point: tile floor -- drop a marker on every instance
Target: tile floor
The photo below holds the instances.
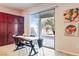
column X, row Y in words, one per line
column 8, row 50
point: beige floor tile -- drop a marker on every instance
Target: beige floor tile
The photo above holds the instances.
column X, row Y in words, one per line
column 8, row 50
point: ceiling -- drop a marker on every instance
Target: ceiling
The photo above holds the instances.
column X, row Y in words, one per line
column 19, row 6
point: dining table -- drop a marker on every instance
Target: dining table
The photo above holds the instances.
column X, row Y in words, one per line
column 20, row 38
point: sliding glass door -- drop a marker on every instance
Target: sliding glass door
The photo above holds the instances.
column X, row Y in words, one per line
column 42, row 24
column 48, row 28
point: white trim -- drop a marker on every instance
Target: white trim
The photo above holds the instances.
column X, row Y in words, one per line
column 68, row 52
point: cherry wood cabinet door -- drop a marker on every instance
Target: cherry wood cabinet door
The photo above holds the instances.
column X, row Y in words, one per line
column 3, row 29
column 10, row 28
column 3, row 34
column 10, row 18
column 3, row 17
column 20, row 19
column 20, row 25
column 20, row 29
column 10, row 32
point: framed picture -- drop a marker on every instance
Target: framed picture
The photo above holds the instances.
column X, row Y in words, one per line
column 71, row 15
column 71, row 29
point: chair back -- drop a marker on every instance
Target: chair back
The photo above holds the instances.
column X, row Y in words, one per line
column 32, row 35
column 40, row 43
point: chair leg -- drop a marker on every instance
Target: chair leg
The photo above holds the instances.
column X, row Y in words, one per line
column 30, row 52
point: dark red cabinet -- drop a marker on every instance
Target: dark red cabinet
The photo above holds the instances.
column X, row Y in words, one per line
column 10, row 32
column 3, row 29
column 20, row 25
column 10, row 25
column 10, row 18
column 3, row 33
column 10, row 28
column 20, row 19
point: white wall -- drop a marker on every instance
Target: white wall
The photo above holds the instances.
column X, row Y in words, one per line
column 62, row 43
column 65, row 43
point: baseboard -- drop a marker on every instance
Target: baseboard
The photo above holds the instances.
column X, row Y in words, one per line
column 67, row 52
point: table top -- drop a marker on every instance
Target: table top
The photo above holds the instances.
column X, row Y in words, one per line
column 27, row 38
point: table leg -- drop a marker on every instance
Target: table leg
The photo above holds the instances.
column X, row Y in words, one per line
column 32, row 49
column 19, row 44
